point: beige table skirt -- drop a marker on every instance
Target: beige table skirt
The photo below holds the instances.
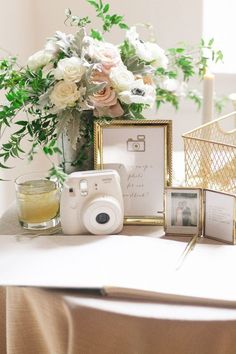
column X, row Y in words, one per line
column 48, row 322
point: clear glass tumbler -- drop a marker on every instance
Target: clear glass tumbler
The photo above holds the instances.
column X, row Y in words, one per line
column 38, row 201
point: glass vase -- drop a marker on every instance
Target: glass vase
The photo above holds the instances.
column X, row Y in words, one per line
column 81, row 157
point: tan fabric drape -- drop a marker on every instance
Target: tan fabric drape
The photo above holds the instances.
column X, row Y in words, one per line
column 49, row 322
column 3, row 323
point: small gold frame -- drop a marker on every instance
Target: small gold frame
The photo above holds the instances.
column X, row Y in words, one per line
column 179, row 229
column 100, row 125
column 201, row 214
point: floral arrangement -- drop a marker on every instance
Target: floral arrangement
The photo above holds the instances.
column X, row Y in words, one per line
column 81, row 73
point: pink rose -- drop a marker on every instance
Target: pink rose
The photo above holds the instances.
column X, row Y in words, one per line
column 108, row 55
column 106, row 97
column 112, row 111
column 105, row 101
column 100, row 75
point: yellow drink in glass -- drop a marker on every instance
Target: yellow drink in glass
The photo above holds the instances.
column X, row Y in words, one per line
column 38, row 201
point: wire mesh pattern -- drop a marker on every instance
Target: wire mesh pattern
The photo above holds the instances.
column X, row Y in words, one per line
column 210, row 155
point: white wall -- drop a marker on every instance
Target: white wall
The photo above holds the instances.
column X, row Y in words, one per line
column 25, row 25
column 18, row 36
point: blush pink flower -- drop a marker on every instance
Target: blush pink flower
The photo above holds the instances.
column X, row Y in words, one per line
column 106, row 97
column 105, row 101
column 112, row 111
column 108, row 55
column 99, row 75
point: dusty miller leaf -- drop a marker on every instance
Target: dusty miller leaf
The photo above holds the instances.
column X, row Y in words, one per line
column 91, row 86
column 63, row 120
column 138, row 67
column 77, row 42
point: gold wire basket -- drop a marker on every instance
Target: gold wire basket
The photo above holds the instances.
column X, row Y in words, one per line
column 210, row 155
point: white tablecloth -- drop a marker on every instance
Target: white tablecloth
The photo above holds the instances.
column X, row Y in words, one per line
column 45, row 321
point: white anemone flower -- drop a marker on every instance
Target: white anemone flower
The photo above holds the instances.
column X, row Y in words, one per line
column 147, row 51
column 138, row 93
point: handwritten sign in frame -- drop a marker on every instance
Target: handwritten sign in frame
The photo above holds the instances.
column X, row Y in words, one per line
column 222, row 202
column 141, row 152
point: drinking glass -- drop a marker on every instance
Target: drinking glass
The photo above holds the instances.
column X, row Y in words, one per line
column 38, row 201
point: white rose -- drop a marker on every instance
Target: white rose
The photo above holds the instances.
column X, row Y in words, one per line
column 121, row 78
column 169, row 85
column 138, row 93
column 69, row 69
column 64, row 94
column 39, row 59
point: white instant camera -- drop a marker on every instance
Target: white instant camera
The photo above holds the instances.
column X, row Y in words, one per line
column 92, row 202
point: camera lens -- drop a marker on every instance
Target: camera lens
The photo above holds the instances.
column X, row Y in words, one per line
column 136, row 146
column 102, row 218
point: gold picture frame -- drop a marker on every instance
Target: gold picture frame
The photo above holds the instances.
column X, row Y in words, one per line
column 214, row 211
column 192, row 197
column 124, row 145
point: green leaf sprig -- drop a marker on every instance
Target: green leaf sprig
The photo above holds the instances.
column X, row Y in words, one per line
column 102, row 12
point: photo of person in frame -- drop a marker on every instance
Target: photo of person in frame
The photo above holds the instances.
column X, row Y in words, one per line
column 184, row 209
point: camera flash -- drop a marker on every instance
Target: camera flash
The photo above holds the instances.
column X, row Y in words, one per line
column 83, row 187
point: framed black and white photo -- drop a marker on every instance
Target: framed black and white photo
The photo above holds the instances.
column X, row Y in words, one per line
column 141, row 152
column 183, row 208
column 220, row 214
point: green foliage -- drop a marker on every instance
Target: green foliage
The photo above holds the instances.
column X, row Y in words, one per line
column 196, row 97
column 12, row 148
column 108, row 20
column 126, row 51
column 51, row 148
column 56, row 173
column 162, row 73
column 188, row 62
column 75, row 20
column 182, row 61
column 29, row 110
column 133, row 111
column 219, row 103
column 102, row 11
column 213, row 54
column 96, row 34
column 164, row 96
